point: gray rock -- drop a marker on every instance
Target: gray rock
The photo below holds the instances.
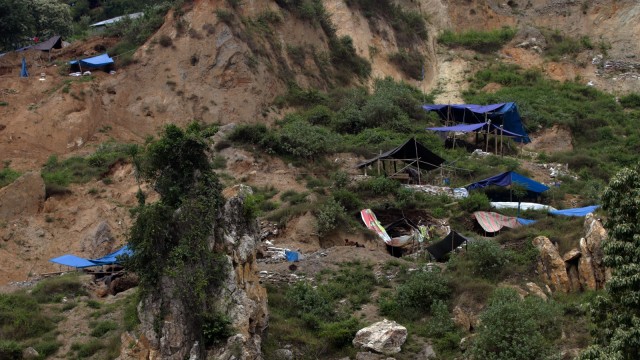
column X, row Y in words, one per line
column 100, row 241
column 386, row 337
column 427, row 353
column 283, row 354
column 30, row 353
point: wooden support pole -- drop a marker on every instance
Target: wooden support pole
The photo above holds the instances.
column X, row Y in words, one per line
column 417, row 159
column 501, row 143
column 495, row 141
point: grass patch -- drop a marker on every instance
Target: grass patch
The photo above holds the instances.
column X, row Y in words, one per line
column 7, row 176
column 410, row 62
column 55, row 289
column 481, row 41
column 102, row 328
column 21, row 317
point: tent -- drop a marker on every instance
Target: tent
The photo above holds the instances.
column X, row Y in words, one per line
column 475, row 128
column 493, row 222
column 582, row 211
column 53, row 43
column 93, row 62
column 23, row 71
column 448, row 244
column 78, row 262
column 508, row 178
column 412, row 153
column 505, row 114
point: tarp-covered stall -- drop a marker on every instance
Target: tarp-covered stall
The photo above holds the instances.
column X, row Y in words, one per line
column 95, row 62
column 505, row 114
column 448, row 244
column 78, row 262
column 508, row 178
column 415, row 155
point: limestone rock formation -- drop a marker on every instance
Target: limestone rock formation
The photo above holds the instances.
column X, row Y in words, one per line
column 593, row 274
column 551, row 267
column 100, row 241
column 385, row 337
column 240, row 297
column 23, row 197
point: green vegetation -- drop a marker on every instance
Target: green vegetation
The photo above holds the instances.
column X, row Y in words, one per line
column 410, row 62
column 515, row 329
column 7, row 175
column 559, row 45
column 415, row 296
column 55, row 289
column 616, row 313
column 58, row 175
column 178, row 167
column 604, row 135
column 481, row 41
column 20, row 19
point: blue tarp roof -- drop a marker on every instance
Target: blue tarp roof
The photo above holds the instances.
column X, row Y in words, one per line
column 474, row 127
column 505, row 114
column 525, row 221
column 506, row 179
column 94, row 62
column 583, row 211
column 78, row 262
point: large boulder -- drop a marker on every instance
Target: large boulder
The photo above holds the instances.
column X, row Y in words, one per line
column 385, row 337
column 551, row 266
column 99, row 242
column 593, row 274
column 23, row 197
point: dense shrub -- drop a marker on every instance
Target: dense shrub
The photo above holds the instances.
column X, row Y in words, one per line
column 410, row 62
column 346, row 60
column 476, row 201
column 7, row 176
column 378, row 186
column 630, row 101
column 301, row 139
column 329, row 216
column 413, row 298
column 515, row 329
column 486, row 258
column 216, row 327
column 55, row 289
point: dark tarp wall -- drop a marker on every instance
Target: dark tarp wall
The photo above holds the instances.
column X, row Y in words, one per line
column 408, row 152
column 448, row 244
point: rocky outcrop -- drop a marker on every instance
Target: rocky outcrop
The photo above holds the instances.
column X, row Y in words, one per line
column 593, row 274
column 100, row 241
column 578, row 269
column 23, row 197
column 240, row 297
column 551, row 267
column 385, row 337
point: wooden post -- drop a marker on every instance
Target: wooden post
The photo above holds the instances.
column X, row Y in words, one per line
column 501, row 143
column 415, row 144
column 486, row 146
column 379, row 162
column 495, row 141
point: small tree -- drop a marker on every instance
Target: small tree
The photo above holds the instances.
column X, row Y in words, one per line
column 617, row 312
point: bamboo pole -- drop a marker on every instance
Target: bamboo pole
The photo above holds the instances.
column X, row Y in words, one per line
column 415, row 144
column 495, row 141
column 501, row 143
column 486, row 140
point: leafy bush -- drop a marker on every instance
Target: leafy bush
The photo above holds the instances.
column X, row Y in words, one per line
column 165, row 41
column 329, row 216
column 414, row 297
column 476, row 201
column 215, row 328
column 559, row 45
column 516, row 329
column 630, row 101
column 7, row 176
column 482, row 41
column 410, row 62
column 378, row 186
column 347, row 199
column 340, row 333
column 346, row 60
column 487, row 259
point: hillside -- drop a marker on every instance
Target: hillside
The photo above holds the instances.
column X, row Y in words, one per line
column 289, row 96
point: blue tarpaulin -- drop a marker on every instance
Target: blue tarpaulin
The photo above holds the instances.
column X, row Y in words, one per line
column 505, row 114
column 23, row 71
column 525, row 221
column 475, row 127
column 508, row 178
column 292, row 256
column 94, row 62
column 78, row 262
column 583, row 211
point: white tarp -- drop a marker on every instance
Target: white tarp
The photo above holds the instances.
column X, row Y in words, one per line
column 523, row 206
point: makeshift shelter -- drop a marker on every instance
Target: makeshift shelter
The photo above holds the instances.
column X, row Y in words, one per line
column 80, row 263
column 507, row 179
column 582, row 211
column 96, row 62
column 23, row 72
column 53, row 43
column 492, row 222
column 503, row 114
column 414, row 156
column 521, row 205
column 99, row 26
column 448, row 244
column 485, row 128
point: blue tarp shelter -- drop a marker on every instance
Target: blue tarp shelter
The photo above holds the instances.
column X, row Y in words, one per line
column 23, row 71
column 78, row 262
column 508, row 178
column 582, row 211
column 505, row 114
column 93, row 62
column 475, row 128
